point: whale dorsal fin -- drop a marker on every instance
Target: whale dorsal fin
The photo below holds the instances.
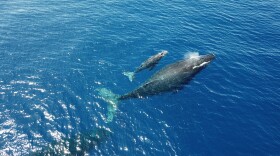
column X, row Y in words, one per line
column 150, row 83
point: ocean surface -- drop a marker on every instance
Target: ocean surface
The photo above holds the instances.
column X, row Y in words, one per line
column 55, row 54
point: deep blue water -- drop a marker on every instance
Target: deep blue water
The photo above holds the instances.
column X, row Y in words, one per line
column 55, row 54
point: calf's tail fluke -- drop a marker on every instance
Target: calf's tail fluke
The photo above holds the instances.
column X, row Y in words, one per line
column 111, row 99
column 130, row 75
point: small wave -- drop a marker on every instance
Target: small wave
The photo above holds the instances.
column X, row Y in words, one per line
column 24, row 82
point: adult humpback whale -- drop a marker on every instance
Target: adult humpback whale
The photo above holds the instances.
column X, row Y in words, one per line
column 171, row 77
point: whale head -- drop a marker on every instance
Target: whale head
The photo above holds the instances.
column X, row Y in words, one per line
column 200, row 62
column 162, row 54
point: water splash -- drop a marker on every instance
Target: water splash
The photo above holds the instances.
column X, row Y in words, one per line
column 191, row 55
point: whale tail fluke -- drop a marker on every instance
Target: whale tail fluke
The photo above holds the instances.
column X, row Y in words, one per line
column 111, row 99
column 130, row 75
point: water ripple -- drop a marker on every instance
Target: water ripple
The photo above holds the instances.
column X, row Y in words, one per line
column 53, row 55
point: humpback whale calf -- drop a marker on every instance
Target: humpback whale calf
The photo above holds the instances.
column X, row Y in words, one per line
column 150, row 63
column 171, row 77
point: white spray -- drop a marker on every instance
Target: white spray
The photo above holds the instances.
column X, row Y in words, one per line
column 191, row 55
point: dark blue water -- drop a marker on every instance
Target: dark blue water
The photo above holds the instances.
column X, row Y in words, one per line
column 55, row 54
